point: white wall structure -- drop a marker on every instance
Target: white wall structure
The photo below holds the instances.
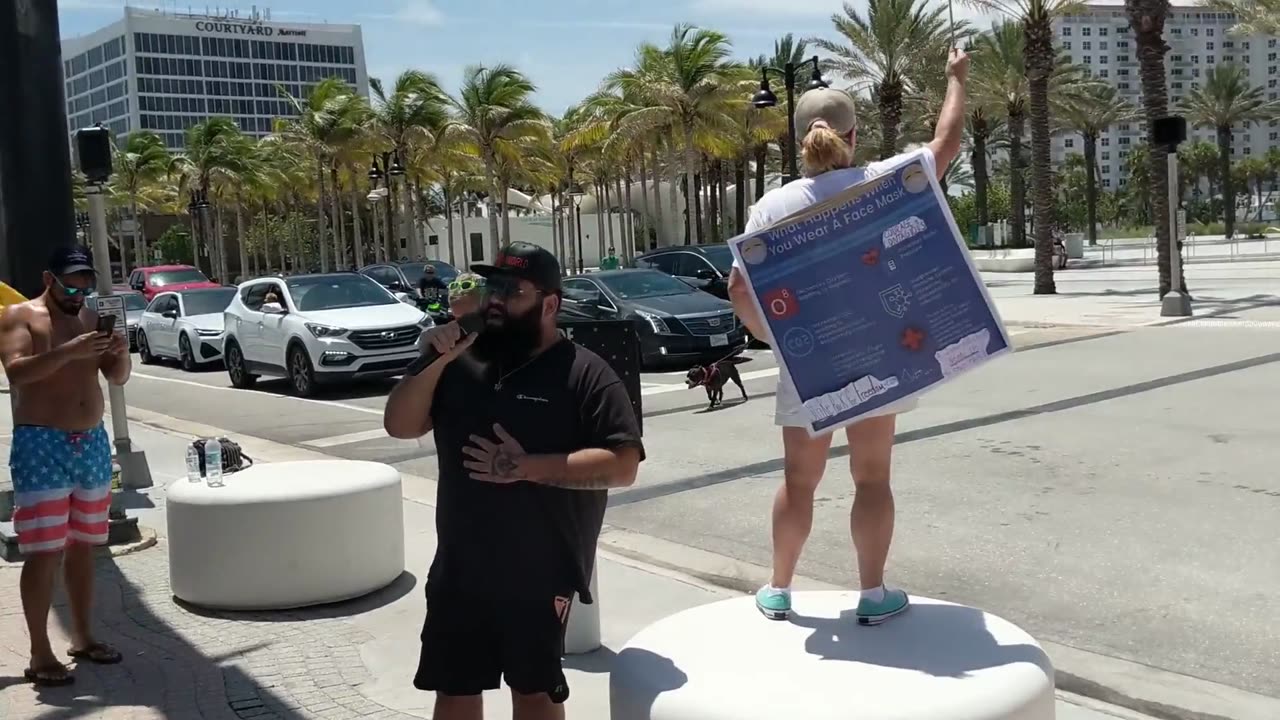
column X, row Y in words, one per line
column 1098, row 38
column 166, row 71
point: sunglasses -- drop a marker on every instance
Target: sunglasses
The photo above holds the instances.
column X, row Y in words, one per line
column 506, row 289
column 464, row 285
column 73, row 291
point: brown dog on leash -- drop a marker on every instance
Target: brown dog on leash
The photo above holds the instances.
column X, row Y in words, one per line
column 714, row 377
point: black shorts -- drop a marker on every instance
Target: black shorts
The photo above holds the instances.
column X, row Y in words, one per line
column 473, row 639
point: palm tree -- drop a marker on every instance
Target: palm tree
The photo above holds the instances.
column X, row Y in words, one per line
column 143, row 160
column 882, row 52
column 1199, row 159
column 211, row 155
column 772, row 122
column 1253, row 17
column 404, row 119
column 998, row 80
column 1091, row 113
column 324, row 121
column 692, row 88
column 1224, row 100
column 494, row 112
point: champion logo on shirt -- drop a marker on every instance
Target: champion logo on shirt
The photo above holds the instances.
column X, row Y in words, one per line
column 531, row 398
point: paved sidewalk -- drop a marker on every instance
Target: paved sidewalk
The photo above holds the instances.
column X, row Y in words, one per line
column 348, row 660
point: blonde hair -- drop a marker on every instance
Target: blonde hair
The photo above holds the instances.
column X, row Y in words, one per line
column 823, row 150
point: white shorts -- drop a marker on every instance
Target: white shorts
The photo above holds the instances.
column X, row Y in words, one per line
column 790, row 412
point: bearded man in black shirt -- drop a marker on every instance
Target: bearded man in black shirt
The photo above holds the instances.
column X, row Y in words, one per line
column 531, row 430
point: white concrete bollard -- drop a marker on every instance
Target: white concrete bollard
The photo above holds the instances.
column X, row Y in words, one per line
column 583, row 634
column 936, row 660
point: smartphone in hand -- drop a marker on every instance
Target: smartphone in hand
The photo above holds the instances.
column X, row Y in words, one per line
column 107, row 324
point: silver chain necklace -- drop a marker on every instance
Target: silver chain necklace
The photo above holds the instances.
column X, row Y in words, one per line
column 521, row 366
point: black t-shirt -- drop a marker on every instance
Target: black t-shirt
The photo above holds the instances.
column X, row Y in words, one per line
column 507, row 536
column 434, row 290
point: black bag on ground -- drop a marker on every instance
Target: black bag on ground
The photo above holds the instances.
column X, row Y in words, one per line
column 233, row 457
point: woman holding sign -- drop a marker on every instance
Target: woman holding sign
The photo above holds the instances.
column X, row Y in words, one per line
column 827, row 119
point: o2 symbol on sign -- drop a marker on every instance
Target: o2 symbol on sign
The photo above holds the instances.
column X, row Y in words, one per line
column 798, row 341
column 781, row 303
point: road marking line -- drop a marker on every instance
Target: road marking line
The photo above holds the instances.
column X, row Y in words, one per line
column 347, row 439
column 260, row 393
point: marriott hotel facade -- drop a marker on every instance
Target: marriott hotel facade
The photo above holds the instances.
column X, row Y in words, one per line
column 164, row 71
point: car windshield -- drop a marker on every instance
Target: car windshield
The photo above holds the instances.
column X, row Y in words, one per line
column 332, row 292
column 634, row 284
column 721, row 257
column 176, row 277
column 133, row 302
column 444, row 271
column 207, row 302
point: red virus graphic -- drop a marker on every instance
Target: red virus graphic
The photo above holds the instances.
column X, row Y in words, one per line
column 912, row 339
column 871, row 257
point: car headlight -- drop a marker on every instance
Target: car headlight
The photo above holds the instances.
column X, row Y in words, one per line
column 655, row 322
column 326, row 331
column 208, row 333
column 426, row 322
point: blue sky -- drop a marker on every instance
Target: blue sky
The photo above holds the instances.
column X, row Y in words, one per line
column 564, row 46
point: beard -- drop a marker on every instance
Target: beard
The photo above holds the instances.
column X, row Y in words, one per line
column 68, row 306
column 509, row 339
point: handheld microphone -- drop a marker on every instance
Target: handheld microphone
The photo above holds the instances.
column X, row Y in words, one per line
column 472, row 323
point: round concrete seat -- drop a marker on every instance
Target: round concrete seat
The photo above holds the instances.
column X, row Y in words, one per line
column 726, row 661
column 286, row 535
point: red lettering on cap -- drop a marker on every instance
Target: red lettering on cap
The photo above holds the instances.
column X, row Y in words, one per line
column 511, row 261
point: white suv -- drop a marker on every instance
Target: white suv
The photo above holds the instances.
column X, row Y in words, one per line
column 319, row 329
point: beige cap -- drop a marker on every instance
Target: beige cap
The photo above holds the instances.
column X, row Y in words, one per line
column 833, row 106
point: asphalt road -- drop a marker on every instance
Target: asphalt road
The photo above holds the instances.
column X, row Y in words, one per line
column 1113, row 491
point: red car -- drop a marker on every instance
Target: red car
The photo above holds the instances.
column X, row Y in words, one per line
column 151, row 281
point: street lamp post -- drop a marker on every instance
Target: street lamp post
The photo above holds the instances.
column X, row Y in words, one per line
column 576, row 196
column 395, row 172
column 764, row 98
column 379, row 246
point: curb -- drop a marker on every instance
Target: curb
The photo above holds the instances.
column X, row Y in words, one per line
column 1119, row 687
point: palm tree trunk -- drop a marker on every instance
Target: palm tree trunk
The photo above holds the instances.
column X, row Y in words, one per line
column 673, row 168
column 357, row 243
column 220, row 243
column 416, row 245
column 691, row 203
column 139, row 251
column 978, row 161
column 648, row 220
column 241, row 240
column 601, row 205
column 762, row 158
column 1147, row 18
column 1228, row 182
column 506, row 213
column 320, row 230
column 660, row 226
column 608, row 211
column 740, row 195
column 462, row 227
column 624, row 191
column 1091, row 185
column 1040, row 64
column 339, row 227
column 713, row 202
column 698, row 235
column 448, row 218
column 1017, row 182
column 722, row 220
column 492, row 204
column 890, row 118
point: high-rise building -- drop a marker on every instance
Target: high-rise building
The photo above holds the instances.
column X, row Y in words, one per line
column 1099, row 39
column 165, row 71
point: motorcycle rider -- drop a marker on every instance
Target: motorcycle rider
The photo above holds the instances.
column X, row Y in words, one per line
column 432, row 289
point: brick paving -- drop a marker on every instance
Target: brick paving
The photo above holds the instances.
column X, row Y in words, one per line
column 181, row 662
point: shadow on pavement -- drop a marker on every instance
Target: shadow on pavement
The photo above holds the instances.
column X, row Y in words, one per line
column 401, row 586
column 657, row 673
column 595, row 662
column 940, row 640
column 164, row 668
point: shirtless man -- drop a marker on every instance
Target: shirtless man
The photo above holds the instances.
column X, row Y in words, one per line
column 61, row 457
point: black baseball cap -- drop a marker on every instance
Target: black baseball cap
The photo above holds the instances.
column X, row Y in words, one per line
column 71, row 259
column 525, row 261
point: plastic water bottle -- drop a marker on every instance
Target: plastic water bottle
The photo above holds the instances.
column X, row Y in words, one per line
column 213, row 462
column 193, row 464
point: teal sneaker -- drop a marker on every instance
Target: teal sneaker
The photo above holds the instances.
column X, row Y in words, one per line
column 871, row 612
column 773, row 603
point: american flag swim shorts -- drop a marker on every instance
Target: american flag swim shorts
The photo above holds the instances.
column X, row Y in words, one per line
column 61, row 487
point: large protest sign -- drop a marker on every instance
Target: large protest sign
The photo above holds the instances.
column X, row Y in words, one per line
column 871, row 297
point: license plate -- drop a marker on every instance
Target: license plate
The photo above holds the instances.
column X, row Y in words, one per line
column 718, row 340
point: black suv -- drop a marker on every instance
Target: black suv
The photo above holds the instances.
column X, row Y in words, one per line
column 705, row 267
column 404, row 276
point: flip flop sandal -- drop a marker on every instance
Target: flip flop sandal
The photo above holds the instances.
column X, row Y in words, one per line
column 99, row 653
column 54, row 676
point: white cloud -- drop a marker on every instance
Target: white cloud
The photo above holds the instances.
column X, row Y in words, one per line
column 773, row 8
column 419, row 12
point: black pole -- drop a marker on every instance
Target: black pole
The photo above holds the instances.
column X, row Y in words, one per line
column 578, row 208
column 36, row 209
column 789, row 76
